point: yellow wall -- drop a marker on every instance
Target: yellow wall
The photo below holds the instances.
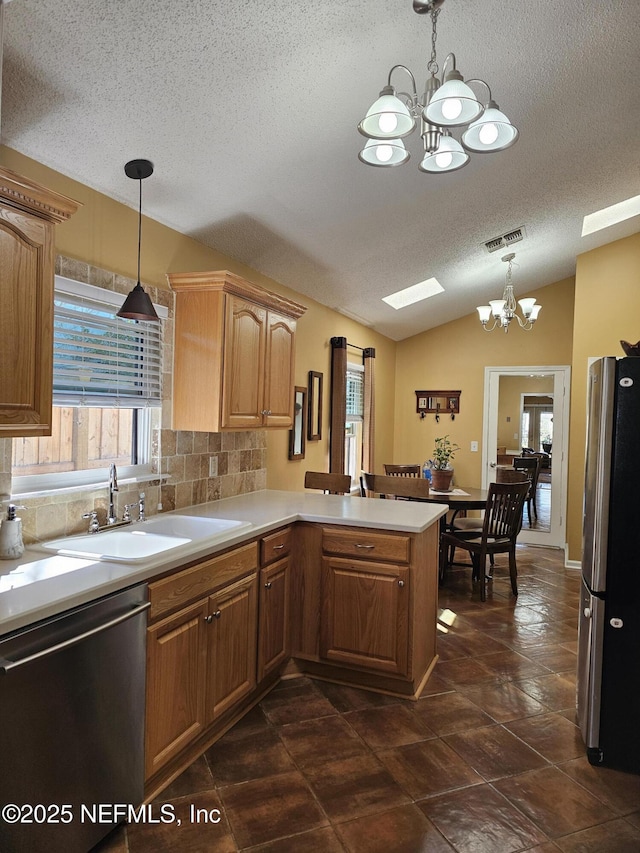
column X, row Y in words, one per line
column 607, row 310
column 104, row 233
column 510, row 401
column 453, row 357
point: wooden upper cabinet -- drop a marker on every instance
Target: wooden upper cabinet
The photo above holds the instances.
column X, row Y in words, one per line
column 234, row 353
column 279, row 370
column 28, row 214
column 243, row 364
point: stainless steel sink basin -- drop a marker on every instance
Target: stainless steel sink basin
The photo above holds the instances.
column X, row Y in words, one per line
column 142, row 540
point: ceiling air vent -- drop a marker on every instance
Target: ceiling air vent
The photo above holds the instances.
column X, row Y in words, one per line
column 507, row 239
column 513, row 237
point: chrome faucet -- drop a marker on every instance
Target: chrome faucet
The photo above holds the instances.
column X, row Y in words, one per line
column 113, row 487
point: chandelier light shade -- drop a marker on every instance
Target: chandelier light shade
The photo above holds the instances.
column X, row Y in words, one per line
column 138, row 304
column 448, row 156
column 387, row 118
column 503, row 311
column 384, row 152
column 491, row 132
column 453, row 104
column 448, row 102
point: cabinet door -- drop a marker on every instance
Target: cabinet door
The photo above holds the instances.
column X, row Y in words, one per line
column 273, row 623
column 365, row 615
column 243, row 373
column 176, row 672
column 279, row 371
column 26, row 323
column 231, row 641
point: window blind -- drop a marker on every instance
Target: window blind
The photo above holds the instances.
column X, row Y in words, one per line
column 355, row 395
column 100, row 359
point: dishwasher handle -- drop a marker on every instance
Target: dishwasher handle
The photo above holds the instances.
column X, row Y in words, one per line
column 7, row 665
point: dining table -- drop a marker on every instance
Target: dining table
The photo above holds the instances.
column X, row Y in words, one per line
column 459, row 499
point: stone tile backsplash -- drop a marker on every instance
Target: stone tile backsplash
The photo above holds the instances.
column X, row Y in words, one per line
column 181, row 459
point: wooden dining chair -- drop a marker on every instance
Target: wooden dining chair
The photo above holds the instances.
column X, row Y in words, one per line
column 330, row 483
column 384, row 485
column 500, row 527
column 529, row 465
column 466, row 525
column 403, row 470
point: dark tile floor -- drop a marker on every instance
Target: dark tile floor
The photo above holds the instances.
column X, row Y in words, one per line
column 489, row 760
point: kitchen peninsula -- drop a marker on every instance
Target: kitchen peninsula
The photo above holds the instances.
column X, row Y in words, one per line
column 340, row 588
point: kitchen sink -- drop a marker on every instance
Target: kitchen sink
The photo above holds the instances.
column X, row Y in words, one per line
column 139, row 541
column 189, row 526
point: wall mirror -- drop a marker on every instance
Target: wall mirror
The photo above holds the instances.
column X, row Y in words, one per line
column 298, row 433
column 314, row 424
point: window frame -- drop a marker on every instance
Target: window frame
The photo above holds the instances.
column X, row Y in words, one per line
column 143, row 422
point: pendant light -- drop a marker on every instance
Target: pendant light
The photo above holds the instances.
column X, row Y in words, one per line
column 138, row 305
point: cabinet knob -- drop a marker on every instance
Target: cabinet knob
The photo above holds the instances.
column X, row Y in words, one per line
column 267, row 585
column 208, row 619
column 400, row 583
column 217, row 614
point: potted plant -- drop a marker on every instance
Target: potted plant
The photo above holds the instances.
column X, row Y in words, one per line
column 441, row 468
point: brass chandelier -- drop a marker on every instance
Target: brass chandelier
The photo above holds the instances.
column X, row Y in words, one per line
column 504, row 310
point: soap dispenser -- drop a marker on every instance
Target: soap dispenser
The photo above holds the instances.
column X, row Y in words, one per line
column 11, row 545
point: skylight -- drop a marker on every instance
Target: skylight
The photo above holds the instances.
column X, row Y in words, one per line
column 415, row 293
column 611, row 215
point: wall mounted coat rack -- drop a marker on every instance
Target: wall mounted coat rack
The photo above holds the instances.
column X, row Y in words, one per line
column 438, row 403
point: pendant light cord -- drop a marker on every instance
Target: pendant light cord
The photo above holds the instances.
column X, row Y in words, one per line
column 139, row 227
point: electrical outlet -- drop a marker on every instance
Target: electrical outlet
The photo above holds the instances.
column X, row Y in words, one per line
column 515, row 435
column 474, row 446
column 213, row 466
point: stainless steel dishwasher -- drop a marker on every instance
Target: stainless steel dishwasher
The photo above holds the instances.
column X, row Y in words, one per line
column 72, row 694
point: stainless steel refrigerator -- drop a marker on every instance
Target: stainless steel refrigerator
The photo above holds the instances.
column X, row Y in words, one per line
column 608, row 691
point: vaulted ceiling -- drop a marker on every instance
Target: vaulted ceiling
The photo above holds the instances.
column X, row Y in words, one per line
column 249, row 112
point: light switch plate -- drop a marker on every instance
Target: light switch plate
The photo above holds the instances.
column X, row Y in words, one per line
column 474, row 446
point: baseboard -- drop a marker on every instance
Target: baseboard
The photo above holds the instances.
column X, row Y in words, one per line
column 571, row 564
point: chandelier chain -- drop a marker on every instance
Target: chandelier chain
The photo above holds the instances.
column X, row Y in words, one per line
column 432, row 65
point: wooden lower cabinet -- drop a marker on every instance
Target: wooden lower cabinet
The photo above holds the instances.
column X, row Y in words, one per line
column 273, row 628
column 200, row 661
column 231, row 668
column 365, row 615
column 364, row 606
column 176, row 680
column 351, row 605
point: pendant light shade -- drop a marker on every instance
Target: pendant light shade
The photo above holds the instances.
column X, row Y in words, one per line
column 491, row 132
column 453, row 104
column 384, row 152
column 387, row 118
column 448, row 156
column 138, row 304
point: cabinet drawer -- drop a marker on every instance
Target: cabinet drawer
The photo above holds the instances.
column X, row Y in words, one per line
column 188, row 584
column 275, row 546
column 366, row 545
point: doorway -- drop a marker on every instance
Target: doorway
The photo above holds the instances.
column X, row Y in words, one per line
column 528, row 406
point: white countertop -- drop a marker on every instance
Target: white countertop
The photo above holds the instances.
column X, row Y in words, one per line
column 36, row 586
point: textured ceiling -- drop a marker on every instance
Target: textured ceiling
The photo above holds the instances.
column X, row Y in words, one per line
column 249, row 113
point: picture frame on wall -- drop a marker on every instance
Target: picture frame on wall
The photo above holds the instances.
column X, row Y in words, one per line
column 314, row 419
column 297, row 435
